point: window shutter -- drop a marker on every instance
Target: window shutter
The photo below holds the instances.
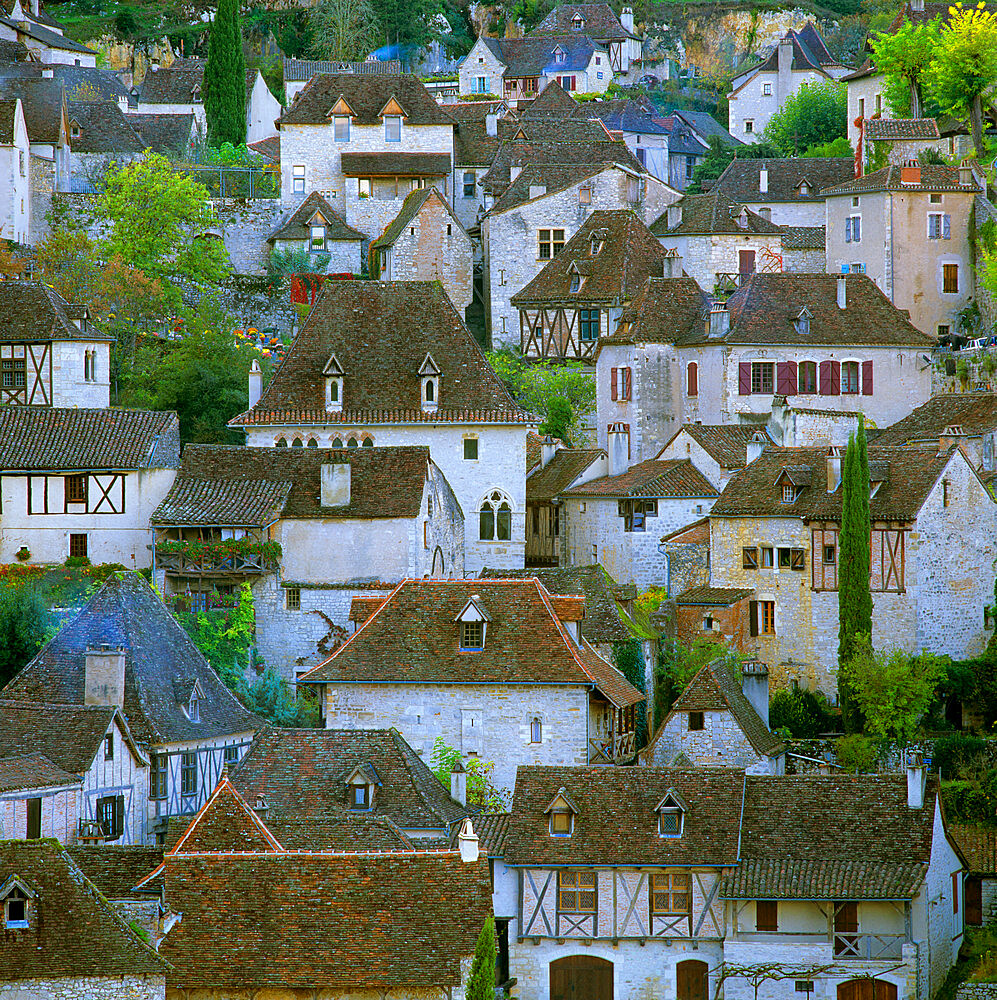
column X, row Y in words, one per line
column 119, row 816
column 835, row 378
column 613, row 383
column 627, row 382
column 744, row 378
column 848, row 229
column 866, row 378
column 825, row 378
column 786, row 378
column 857, row 229
column 753, row 617
column 946, row 227
column 692, row 387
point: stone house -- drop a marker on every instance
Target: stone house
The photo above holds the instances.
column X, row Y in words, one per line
column 297, row 72
column 83, row 482
column 898, row 141
column 721, row 720
column 600, row 23
column 978, row 846
column 702, row 613
column 760, row 89
column 775, row 530
column 364, row 142
column 315, row 527
column 62, row 938
column 689, row 880
column 411, row 375
column 804, row 249
column 100, row 135
column 176, row 89
column 517, row 69
column 618, row 520
column 543, row 207
column 908, row 228
column 42, row 36
column 687, row 566
column 578, row 296
column 788, row 192
column 480, row 129
column 717, row 242
column 426, row 242
column 836, row 343
column 15, row 150
column 316, row 227
column 718, row 451
column 179, row 712
column 500, row 672
column 72, row 772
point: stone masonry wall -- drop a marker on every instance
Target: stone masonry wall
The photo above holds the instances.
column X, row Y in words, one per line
column 804, row 261
column 85, row 988
column 721, row 743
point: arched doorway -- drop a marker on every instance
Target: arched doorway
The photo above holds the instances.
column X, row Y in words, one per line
column 581, row 977
column 867, row 989
column 692, row 979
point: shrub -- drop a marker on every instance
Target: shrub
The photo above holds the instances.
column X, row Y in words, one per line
column 24, row 622
column 803, row 713
column 970, row 801
column 74, row 562
column 953, row 753
column 856, row 753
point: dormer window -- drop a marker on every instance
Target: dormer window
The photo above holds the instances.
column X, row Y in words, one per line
column 559, row 54
column 333, row 372
column 341, row 124
column 803, row 322
column 472, row 635
column 74, row 129
column 429, row 373
column 361, row 785
column 595, row 247
column 194, row 707
column 671, row 812
column 392, row 128
column 16, row 911
column 561, row 812
column 317, row 238
column 472, row 622
column 195, row 93
column 804, row 189
column 360, row 797
column 578, row 22
column 788, row 493
column 576, row 282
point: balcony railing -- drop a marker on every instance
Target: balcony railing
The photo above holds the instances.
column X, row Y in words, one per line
column 869, row 947
column 206, row 559
column 609, row 751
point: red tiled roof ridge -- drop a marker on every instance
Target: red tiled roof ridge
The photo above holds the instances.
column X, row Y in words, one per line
column 225, row 785
column 303, row 852
column 317, row 416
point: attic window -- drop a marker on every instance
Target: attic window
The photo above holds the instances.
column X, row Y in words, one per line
column 360, row 797
column 804, row 189
column 472, row 635
column 577, row 281
column 788, row 493
column 194, row 706
column 578, row 22
column 16, row 910
column 317, row 241
column 559, row 54
column 803, row 322
column 74, row 130
column 561, row 823
column 671, row 812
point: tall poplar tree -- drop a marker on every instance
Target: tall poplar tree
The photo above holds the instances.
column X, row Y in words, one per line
column 854, row 595
column 481, row 981
column 224, row 87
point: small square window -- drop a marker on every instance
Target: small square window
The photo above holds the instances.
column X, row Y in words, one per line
column 830, row 555
column 696, row 724
column 560, row 823
column 804, row 986
column 768, row 557
column 16, row 911
column 78, row 546
column 935, row 199
column 767, row 89
column 785, row 558
column 749, row 558
column 471, row 449
column 749, row 125
column 231, row 755
column 472, row 635
column 298, row 179
column 76, row 489
column 293, row 596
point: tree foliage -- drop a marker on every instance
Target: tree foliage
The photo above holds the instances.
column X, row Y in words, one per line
column 628, row 658
column 345, row 29
column 481, row 790
column 24, row 624
column 803, row 714
column 722, row 155
column 816, row 114
column 837, row 147
column 559, row 418
column 224, row 87
column 904, row 57
column 678, row 664
column 406, row 22
column 481, row 981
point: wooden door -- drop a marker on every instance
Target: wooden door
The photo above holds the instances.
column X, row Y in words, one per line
column 581, row 977
column 846, row 926
column 974, row 900
column 867, row 989
column 692, row 977
column 746, row 261
column 34, row 830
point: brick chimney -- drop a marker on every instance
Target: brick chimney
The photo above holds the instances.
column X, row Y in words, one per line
column 104, row 682
column 910, row 172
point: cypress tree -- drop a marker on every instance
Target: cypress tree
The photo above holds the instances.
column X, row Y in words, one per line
column 854, row 596
column 481, row 982
column 224, row 87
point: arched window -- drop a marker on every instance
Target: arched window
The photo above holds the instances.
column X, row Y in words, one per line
column 430, row 391
column 352, row 443
column 536, row 730
column 334, row 390
column 312, row 443
column 296, row 443
column 692, row 379
column 337, row 443
column 495, row 518
column 281, row 442
column 367, row 442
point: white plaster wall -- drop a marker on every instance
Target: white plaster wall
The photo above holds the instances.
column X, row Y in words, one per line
column 15, row 192
column 59, row 816
column 749, row 103
column 481, row 62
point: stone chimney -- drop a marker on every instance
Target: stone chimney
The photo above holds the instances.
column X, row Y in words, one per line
column 916, row 776
column 618, row 447
column 335, row 484
column 255, row 383
column 262, row 807
column 842, row 291
column 763, row 179
column 627, row 19
column 547, row 449
column 755, row 446
column 672, row 264
column 833, row 468
column 104, row 671
column 538, row 190
column 491, row 123
column 458, row 783
column 917, row 5
column 755, row 685
column 952, row 435
column 674, row 215
column 468, row 841
column 785, row 67
column 719, row 319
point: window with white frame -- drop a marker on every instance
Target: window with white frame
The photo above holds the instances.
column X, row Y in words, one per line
column 317, row 238
column 392, row 128
column 749, row 125
column 298, row 178
column 342, row 128
column 939, row 226
column 767, row 89
column 853, row 229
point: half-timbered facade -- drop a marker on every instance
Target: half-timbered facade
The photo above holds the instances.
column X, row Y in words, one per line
column 600, row 23
column 180, row 713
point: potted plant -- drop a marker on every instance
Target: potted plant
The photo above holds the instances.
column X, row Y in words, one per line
column 23, row 554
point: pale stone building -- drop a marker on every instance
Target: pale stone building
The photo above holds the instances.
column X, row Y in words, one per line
column 15, row 150
column 411, row 373
column 598, row 21
column 480, row 129
column 499, row 672
column 718, row 451
column 978, row 845
column 42, row 36
column 317, row 228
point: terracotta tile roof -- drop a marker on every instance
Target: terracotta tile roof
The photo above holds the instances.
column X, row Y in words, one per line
column 974, row 412
column 824, row 879
column 381, row 922
column 893, row 129
column 366, row 94
column 226, row 822
column 600, row 21
column 546, row 481
column 740, row 181
column 77, row 933
column 473, row 146
column 672, row 477
column 803, row 238
column 303, row 774
column 393, row 164
column 726, row 444
column 552, row 100
column 712, row 214
column 718, row 596
column 268, row 148
column 665, row 311
column 127, row 613
column 115, row 870
column 697, row 533
column 342, row 833
column 103, row 128
column 250, row 502
column 978, row 845
column 34, row 437
column 35, row 312
column 753, row 491
column 32, row 770
column 402, row 322
column 411, row 207
column 616, row 822
column 491, row 829
column 629, row 255
column 524, row 642
column 295, row 225
column 932, row 177
column 361, row 608
column 163, row 133
column 534, row 55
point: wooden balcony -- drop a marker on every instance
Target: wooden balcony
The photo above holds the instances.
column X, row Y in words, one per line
column 612, row 750
column 868, row 947
column 197, row 562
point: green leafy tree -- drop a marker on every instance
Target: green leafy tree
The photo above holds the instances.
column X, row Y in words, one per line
column 817, row 113
column 24, row 623
column 854, row 595
column 837, row 147
column 271, row 696
column 722, row 155
column 224, row 87
column 406, row 22
column 904, row 57
column 481, row 981
column 345, row 29
column 481, row 790
column 628, row 658
column 803, row 714
column 559, row 419
column 893, row 690
column 963, row 73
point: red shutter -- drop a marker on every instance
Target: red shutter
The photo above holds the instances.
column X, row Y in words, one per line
column 614, row 382
column 692, row 375
column 744, row 378
column 627, row 382
column 835, row 378
column 786, row 378
column 866, row 378
column 825, row 378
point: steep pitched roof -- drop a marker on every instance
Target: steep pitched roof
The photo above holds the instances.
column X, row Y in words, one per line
column 672, row 477
column 547, row 481
column 631, row 115
column 599, row 22
column 102, row 128
column 555, row 177
column 974, row 412
column 978, row 845
column 525, row 643
column 367, row 95
column 552, row 100
column 534, row 55
column 706, row 126
column 226, row 822
column 33, row 770
column 166, row 133
column 34, row 312
column 303, row 773
column 617, row 822
column 244, row 502
column 34, row 438
column 8, row 111
column 115, row 870
column 930, row 177
column 53, row 39
column 726, row 444
column 411, row 207
column 809, row 53
column 126, row 613
column 628, row 255
column 666, row 311
column 294, row 226
column 178, row 83
column 740, row 181
column 402, row 322
column 712, row 214
column 77, row 932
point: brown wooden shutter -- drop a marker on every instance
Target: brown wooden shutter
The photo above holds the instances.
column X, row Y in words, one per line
column 614, row 383
column 753, row 617
column 825, row 378
column 119, row 816
column 627, row 382
column 744, row 378
column 835, row 378
column 786, row 378
column 866, row 378
column 692, row 386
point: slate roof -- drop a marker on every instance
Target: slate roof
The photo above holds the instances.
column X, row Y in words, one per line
column 381, row 922
column 739, row 182
column 8, row 109
column 366, row 94
column 552, row 100
column 53, row 39
column 226, row 822
column 390, row 164
column 491, row 829
column 803, row 238
column 464, row 112
column 174, row 84
column 115, row 870
column 894, row 129
column 524, row 644
column 616, row 822
column 912, row 472
column 974, row 412
column 547, row 481
column 127, row 613
column 672, row 477
column 721, row 597
column 34, row 312
column 707, row 126
column 534, row 55
column 712, row 214
column 32, row 770
column 630, row 254
column 303, row 773
column 600, row 22
column 63, row 439
column 248, row 502
column 77, row 933
column 978, row 845
column 411, row 207
column 809, row 53
column 933, row 177
column 294, row 225
column 103, row 128
column 103, row 83
column 381, row 332
column 665, row 311
column 43, row 102
column 165, row 133
column 726, row 444
column 630, row 115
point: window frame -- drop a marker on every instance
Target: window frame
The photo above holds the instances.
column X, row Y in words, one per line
column 586, row 325
column 760, row 368
column 770, row 923
column 561, row 813
column 188, row 774
column 75, row 486
column 16, row 923
column 391, row 123
column 806, row 385
column 365, row 804
column 159, row 767
column 700, row 722
column 336, row 122
column 577, row 883
column 318, row 243
column 749, row 557
column 472, row 184
column 550, row 242
column 766, row 617
column 848, row 385
column 298, row 178
column 292, row 598
column 470, row 445
column 78, row 549
column 767, row 554
column 947, row 269
column 671, row 884
column 109, row 746
column 472, row 637
column 536, row 730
